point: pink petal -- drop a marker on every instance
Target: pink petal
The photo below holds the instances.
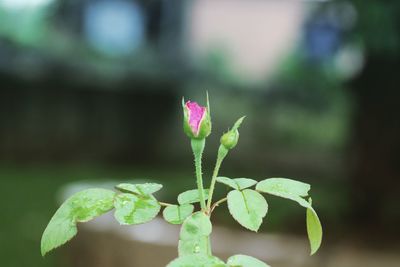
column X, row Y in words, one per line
column 196, row 115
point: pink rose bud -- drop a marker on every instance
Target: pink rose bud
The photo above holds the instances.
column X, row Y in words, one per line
column 196, row 120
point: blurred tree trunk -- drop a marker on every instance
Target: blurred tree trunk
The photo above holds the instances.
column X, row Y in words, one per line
column 376, row 145
column 376, row 140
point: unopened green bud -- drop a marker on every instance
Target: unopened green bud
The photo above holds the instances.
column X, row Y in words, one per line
column 230, row 139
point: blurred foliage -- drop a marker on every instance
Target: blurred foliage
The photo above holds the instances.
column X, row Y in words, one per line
column 26, row 27
column 47, row 37
column 308, row 106
column 378, row 25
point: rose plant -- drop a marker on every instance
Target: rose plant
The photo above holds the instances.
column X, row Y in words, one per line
column 136, row 204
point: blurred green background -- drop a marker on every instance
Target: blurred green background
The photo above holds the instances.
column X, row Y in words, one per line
column 90, row 91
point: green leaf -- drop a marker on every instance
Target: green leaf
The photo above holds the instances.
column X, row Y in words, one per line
column 191, row 196
column 140, row 189
column 177, row 214
column 286, row 188
column 248, row 207
column 80, row 207
column 197, row 246
column 237, row 183
column 314, row 229
column 197, row 261
column 295, row 190
column 133, row 209
column 198, row 224
column 193, row 238
column 245, row 261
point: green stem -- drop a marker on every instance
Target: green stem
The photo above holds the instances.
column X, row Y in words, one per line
column 198, row 148
column 216, row 204
column 222, row 152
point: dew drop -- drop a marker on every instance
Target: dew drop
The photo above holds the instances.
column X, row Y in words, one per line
column 196, row 248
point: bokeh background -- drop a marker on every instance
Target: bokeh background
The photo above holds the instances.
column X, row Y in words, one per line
column 90, row 93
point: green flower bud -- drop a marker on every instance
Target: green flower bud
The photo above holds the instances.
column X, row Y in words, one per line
column 230, row 139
